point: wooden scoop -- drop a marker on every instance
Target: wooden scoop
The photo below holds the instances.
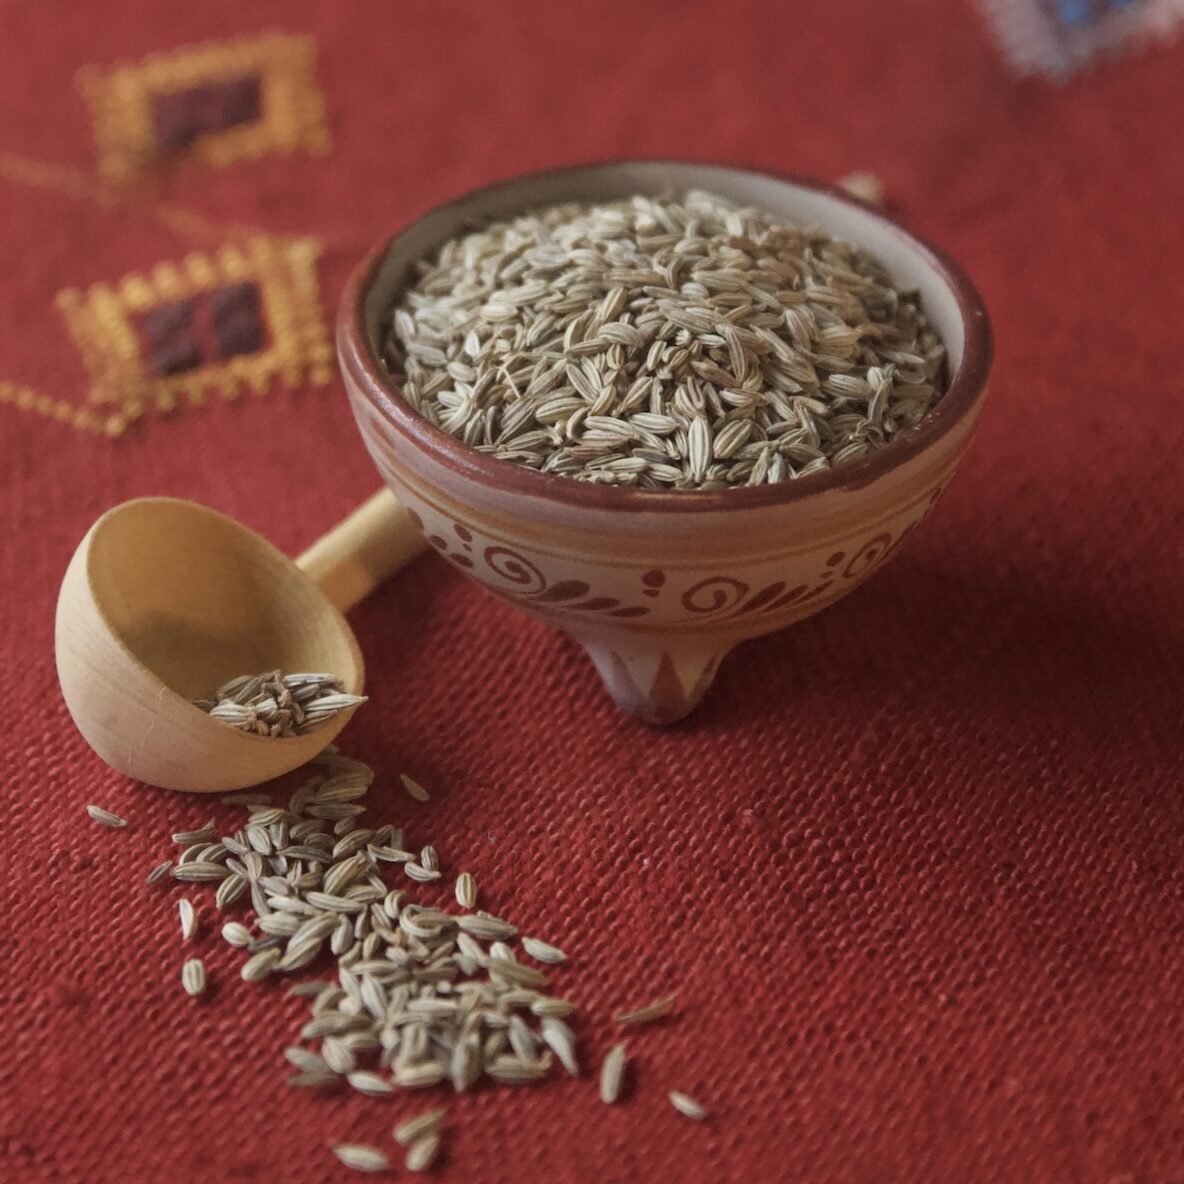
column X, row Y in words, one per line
column 164, row 600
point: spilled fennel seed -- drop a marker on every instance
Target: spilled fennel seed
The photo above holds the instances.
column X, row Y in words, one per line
column 193, row 977
column 105, row 817
column 422, row 1153
column 612, row 1074
column 312, row 874
column 188, row 915
column 411, row 1129
column 313, row 877
column 361, row 1158
column 647, row 1014
column 687, row 1105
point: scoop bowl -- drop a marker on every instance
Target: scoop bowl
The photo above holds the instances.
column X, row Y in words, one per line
column 163, row 601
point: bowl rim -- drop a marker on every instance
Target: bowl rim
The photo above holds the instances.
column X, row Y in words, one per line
column 361, row 364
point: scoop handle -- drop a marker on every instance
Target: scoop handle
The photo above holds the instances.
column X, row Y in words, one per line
column 361, row 551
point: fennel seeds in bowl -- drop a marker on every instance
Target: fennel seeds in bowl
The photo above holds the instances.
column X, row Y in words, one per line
column 663, row 344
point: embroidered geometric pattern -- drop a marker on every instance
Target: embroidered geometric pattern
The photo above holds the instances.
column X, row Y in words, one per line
column 213, row 103
column 1057, row 37
column 83, row 419
column 238, row 317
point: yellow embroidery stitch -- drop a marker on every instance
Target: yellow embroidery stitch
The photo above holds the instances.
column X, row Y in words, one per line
column 291, row 114
column 103, row 323
column 73, row 183
column 82, row 418
column 282, row 111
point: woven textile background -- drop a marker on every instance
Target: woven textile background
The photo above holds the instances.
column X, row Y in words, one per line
column 914, row 867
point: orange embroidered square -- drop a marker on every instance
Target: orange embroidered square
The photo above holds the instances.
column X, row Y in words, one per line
column 238, row 317
column 214, row 103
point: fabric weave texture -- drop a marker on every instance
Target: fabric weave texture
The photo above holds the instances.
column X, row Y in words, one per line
column 915, row 866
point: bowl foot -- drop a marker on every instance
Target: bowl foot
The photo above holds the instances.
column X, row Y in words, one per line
column 657, row 685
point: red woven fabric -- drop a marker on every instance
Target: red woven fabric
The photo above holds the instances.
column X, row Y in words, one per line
column 914, row 867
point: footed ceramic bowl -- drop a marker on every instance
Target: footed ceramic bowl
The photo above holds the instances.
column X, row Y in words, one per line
column 659, row 586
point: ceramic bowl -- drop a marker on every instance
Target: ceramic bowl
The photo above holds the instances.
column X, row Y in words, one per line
column 659, row 586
